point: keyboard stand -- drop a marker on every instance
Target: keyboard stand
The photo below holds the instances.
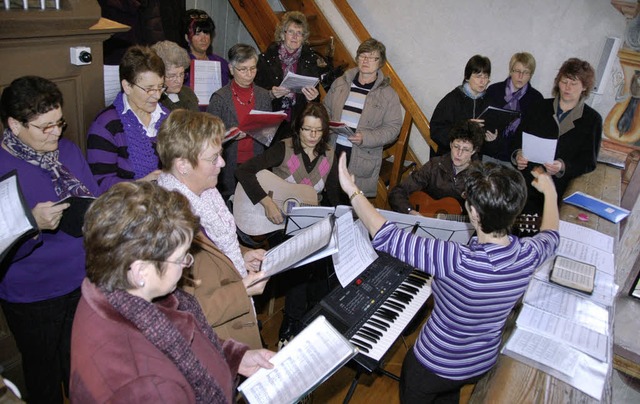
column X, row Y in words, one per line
column 356, row 379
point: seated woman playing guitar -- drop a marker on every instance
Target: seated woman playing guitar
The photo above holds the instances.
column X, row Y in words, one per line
column 304, row 158
column 442, row 176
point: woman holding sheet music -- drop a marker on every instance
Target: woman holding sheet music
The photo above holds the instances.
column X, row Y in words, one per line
column 136, row 338
column 231, row 104
column 289, row 53
column 120, row 144
column 40, row 279
column 467, row 101
column 566, row 117
column 200, row 31
column 189, row 146
column 363, row 99
column 304, row 158
column 517, row 94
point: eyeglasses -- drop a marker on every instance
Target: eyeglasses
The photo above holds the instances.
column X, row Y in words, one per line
column 186, row 262
column 246, row 69
column 48, row 129
column 464, row 150
column 368, row 58
column 293, row 33
column 213, row 159
column 171, row 77
column 521, row 72
column 480, row 76
column 152, row 91
column 311, row 130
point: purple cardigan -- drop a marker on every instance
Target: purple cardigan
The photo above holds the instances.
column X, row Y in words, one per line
column 52, row 264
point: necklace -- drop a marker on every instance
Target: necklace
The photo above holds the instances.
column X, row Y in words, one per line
column 235, row 94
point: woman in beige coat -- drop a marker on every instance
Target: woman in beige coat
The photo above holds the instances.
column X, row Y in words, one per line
column 364, row 101
column 190, row 147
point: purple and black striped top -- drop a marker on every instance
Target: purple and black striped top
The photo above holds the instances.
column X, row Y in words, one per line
column 475, row 288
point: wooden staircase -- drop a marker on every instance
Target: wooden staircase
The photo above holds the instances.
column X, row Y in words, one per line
column 260, row 20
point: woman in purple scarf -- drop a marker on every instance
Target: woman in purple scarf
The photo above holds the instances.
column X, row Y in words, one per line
column 516, row 94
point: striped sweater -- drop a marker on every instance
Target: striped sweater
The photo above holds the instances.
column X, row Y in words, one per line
column 475, row 288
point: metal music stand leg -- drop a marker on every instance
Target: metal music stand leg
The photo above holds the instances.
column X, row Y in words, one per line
column 352, row 388
column 388, row 374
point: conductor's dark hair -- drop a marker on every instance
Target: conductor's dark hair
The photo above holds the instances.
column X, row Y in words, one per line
column 498, row 194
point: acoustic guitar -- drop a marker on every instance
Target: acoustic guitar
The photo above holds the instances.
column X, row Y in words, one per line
column 446, row 208
column 252, row 220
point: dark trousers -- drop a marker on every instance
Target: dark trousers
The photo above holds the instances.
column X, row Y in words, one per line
column 43, row 334
column 419, row 385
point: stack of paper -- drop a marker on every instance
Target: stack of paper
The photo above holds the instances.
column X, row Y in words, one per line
column 563, row 332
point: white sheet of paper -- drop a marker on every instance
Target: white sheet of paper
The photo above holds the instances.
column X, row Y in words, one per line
column 296, row 82
column 565, row 331
column 13, row 222
column 537, row 149
column 566, row 304
column 587, row 236
column 111, row 83
column 207, row 79
column 562, row 361
column 355, row 252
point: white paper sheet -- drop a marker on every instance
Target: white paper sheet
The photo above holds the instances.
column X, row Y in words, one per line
column 537, row 149
column 355, row 252
column 206, row 79
column 111, row 83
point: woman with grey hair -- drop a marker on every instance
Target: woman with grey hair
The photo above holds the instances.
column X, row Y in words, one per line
column 232, row 103
column 289, row 53
column 176, row 61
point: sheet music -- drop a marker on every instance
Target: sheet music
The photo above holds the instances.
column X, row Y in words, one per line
column 355, row 252
column 537, row 149
column 13, row 220
column 330, row 249
column 303, row 364
column 206, row 79
column 563, row 330
column 296, row 82
column 587, row 236
column 559, row 360
column 111, row 83
column 544, row 350
column 297, row 248
column 604, row 261
column 566, row 304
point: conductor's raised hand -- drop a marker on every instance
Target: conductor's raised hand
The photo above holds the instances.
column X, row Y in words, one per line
column 347, row 181
column 543, row 182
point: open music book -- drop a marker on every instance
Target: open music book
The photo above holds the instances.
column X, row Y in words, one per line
column 262, row 125
column 573, row 274
column 298, row 248
column 301, row 366
column 16, row 219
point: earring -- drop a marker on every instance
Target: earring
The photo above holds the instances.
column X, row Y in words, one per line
column 141, row 283
column 183, row 172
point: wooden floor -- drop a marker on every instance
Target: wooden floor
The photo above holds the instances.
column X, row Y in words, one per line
column 370, row 389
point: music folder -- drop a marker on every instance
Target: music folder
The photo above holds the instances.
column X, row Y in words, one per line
column 15, row 215
column 498, row 118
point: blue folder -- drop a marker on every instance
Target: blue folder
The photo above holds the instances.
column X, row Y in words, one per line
column 601, row 208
